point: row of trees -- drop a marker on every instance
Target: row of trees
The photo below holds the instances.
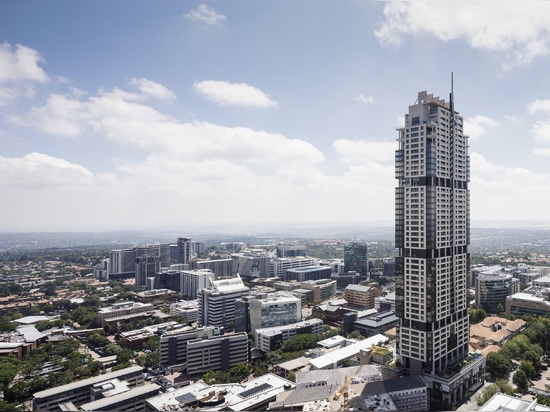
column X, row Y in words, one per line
column 527, row 350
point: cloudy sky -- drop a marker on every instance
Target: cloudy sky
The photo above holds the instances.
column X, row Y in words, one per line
column 184, row 113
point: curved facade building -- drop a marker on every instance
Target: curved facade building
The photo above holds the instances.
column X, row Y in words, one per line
column 492, row 290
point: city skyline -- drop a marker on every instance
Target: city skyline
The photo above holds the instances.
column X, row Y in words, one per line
column 190, row 113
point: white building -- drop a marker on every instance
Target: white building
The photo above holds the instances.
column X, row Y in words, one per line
column 194, row 280
column 260, row 310
column 334, row 359
column 217, row 302
column 123, row 311
column 268, row 339
column 278, row 266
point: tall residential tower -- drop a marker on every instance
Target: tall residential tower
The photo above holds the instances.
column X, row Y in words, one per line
column 432, row 235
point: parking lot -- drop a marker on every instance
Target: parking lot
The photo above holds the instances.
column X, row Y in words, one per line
column 543, row 381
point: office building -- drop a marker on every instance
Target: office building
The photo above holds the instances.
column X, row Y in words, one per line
column 147, row 266
column 492, row 290
column 270, row 339
column 101, row 270
column 403, row 394
column 187, row 310
column 80, row 392
column 216, row 353
column 278, row 266
column 217, row 302
column 322, row 289
column 122, row 264
column 194, row 280
column 251, row 265
column 355, row 259
column 124, row 311
column 261, row 310
column 250, row 395
column 184, row 250
column 233, row 246
column 533, row 301
column 156, row 297
column 371, row 324
column 361, row 296
column 304, row 273
column 173, row 344
column 220, row 267
column 432, row 235
column 290, row 251
column 169, row 279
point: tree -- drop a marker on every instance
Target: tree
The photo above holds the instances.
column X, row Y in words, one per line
column 299, row 342
column 533, row 357
column 478, row 315
column 355, row 335
column 487, row 393
column 505, row 387
column 153, row 360
column 528, row 368
column 239, row 373
column 521, row 380
column 498, row 364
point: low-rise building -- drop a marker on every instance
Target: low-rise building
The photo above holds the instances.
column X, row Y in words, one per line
column 270, row 339
column 156, row 296
column 124, row 311
column 334, row 359
column 80, row 393
column 188, row 310
column 494, row 330
column 305, row 273
column 322, row 289
column 403, row 394
column 532, row 301
column 252, row 395
column 370, row 324
column 133, row 399
column 361, row 296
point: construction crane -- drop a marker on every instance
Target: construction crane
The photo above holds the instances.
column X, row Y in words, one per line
column 344, row 389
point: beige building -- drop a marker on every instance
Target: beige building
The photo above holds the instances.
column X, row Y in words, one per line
column 361, row 296
column 494, row 331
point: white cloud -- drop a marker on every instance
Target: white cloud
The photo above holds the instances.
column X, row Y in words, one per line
column 20, row 64
column 475, row 126
column 153, row 89
column 363, row 99
column 69, row 116
column 205, row 14
column 539, row 105
column 357, row 152
column 501, row 26
column 37, row 170
column 502, row 193
column 541, row 131
column 19, row 70
column 239, row 94
column 538, row 151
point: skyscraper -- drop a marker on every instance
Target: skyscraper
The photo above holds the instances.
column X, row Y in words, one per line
column 432, row 235
column 355, row 258
column 184, row 250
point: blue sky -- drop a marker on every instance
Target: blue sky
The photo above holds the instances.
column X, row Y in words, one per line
column 183, row 113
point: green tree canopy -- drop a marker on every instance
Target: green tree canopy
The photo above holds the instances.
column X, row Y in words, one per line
column 498, row 364
column 521, row 380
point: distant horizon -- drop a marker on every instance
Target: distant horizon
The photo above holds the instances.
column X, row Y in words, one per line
column 299, row 226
